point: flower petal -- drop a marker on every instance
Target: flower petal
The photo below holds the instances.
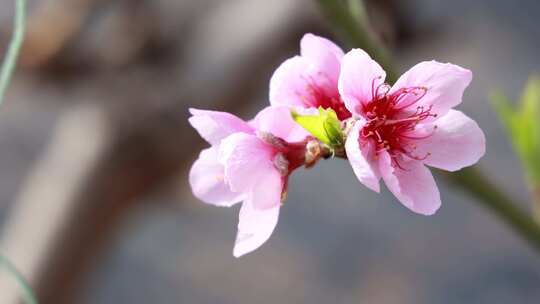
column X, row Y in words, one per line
column 320, row 49
column 213, row 126
column 359, row 76
column 255, row 226
column 289, row 85
column 457, row 142
column 445, row 83
column 206, row 178
column 360, row 155
column 266, row 193
column 309, row 80
column 278, row 121
column 246, row 159
column 325, row 57
column 413, row 185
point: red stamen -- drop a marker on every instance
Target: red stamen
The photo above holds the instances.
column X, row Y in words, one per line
column 391, row 126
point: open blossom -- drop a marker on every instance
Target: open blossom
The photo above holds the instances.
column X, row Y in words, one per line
column 401, row 128
column 386, row 132
column 248, row 162
column 310, row 80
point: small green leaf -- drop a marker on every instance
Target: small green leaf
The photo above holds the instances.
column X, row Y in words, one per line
column 324, row 126
column 531, row 97
column 530, row 112
column 523, row 126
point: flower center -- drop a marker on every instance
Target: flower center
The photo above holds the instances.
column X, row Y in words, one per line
column 392, row 120
column 323, row 99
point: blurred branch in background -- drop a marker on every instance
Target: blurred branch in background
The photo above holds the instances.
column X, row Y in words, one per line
column 523, row 128
column 52, row 24
column 117, row 147
column 84, row 34
column 351, row 21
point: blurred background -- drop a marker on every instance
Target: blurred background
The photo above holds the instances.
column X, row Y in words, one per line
column 95, row 148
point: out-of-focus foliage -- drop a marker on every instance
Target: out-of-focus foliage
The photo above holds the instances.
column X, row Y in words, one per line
column 325, row 126
column 523, row 125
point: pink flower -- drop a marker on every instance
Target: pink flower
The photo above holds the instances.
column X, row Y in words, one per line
column 310, row 80
column 247, row 162
column 400, row 129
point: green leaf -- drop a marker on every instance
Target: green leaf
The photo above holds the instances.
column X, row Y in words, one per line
column 523, row 126
column 529, row 116
column 324, row 126
column 531, row 97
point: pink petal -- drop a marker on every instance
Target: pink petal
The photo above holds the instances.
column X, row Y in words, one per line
column 359, row 75
column 361, row 156
column 206, row 178
column 247, row 161
column 213, row 126
column 308, row 80
column 289, row 85
column 457, row 142
column 325, row 57
column 320, row 49
column 255, row 226
column 445, row 85
column 413, row 185
column 278, row 121
column 266, row 193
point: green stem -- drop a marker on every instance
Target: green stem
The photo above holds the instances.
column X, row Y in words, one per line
column 6, row 71
column 10, row 61
column 352, row 26
column 28, row 295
